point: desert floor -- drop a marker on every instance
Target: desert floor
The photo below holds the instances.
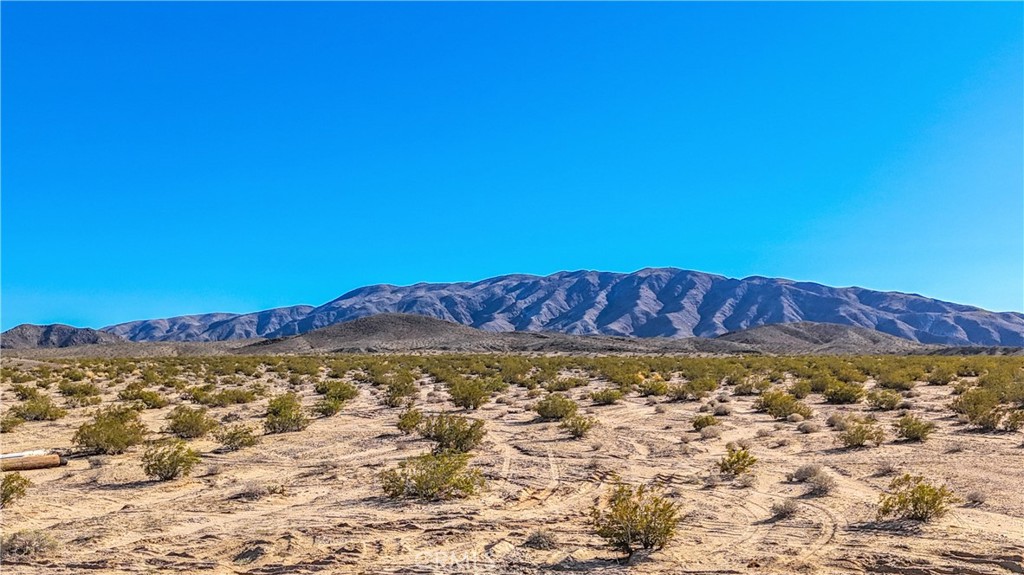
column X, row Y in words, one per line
column 331, row 517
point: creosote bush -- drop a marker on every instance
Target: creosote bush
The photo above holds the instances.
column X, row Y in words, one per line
column 12, row 488
column 555, row 406
column 166, row 461
column 236, row 437
column 146, row 397
column 884, row 399
column 432, row 477
column 844, row 393
column 738, row 460
column 577, row 425
column 606, row 396
column 913, row 428
column 453, row 433
column 911, row 497
column 284, row 414
column 859, row 433
column 702, row 421
column 409, row 420
column 113, row 430
column 39, row 408
column 781, row 405
column 9, row 422
column 636, row 518
column 469, row 393
column 189, row 423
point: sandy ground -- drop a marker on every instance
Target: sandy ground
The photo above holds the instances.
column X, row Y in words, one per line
column 332, row 518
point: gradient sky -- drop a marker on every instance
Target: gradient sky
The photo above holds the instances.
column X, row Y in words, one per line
column 168, row 158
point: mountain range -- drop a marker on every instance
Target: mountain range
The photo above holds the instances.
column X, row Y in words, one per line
column 653, row 302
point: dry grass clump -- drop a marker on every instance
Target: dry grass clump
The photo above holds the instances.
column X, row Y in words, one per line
column 785, row 509
column 23, row 544
column 541, row 539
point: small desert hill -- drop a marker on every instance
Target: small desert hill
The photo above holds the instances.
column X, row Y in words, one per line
column 822, row 338
column 28, row 336
column 390, row 332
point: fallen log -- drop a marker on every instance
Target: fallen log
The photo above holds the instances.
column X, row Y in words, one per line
column 32, row 462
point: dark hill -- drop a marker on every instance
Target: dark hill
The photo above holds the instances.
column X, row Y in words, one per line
column 28, row 336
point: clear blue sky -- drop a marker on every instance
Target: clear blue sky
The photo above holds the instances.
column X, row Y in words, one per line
column 169, row 158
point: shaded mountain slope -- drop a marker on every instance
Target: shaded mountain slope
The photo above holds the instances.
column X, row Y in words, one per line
column 654, row 302
column 28, row 336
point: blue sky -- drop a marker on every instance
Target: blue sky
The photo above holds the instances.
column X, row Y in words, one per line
column 168, row 158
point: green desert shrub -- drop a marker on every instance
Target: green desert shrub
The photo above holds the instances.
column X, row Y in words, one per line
column 565, row 384
column 781, row 405
column 941, row 375
column 751, row 387
column 453, row 433
column 884, row 399
column 911, row 497
column 236, row 437
column 40, row 408
column 9, row 422
column 113, row 430
column 338, row 390
column 555, row 406
column 170, row 460
column 409, row 420
column 913, row 428
column 189, row 423
column 222, row 398
column 844, row 393
column 146, row 397
column 636, row 517
column 800, row 389
column 652, row 387
column 77, row 389
column 900, row 380
column 577, row 425
column 737, row 461
column 24, row 392
column 606, row 396
column 433, row 477
column 284, row 414
column 12, row 488
column 469, row 393
column 858, row 433
column 702, row 421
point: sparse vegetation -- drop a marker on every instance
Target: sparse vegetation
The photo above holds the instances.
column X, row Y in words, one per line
column 409, row 420
column 781, row 405
column 911, row 497
column 913, row 428
column 432, row 477
column 884, row 399
column 453, row 433
column 236, row 437
column 284, row 414
column 12, row 488
column 861, row 432
column 738, row 460
column 636, row 518
column 577, row 425
column 702, row 421
column 170, row 460
column 113, row 430
column 606, row 396
column 23, row 544
column 190, row 423
column 555, row 406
